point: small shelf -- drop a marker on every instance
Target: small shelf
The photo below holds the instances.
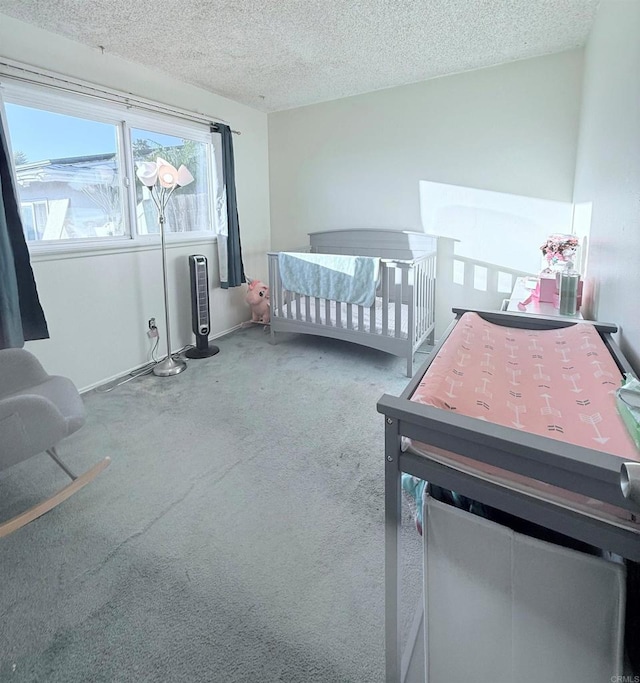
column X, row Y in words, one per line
column 522, row 290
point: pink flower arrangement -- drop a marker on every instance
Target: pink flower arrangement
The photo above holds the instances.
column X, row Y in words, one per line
column 559, row 248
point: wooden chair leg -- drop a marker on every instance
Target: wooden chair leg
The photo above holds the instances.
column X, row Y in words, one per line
column 40, row 509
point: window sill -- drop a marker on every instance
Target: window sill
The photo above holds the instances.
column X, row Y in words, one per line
column 87, row 249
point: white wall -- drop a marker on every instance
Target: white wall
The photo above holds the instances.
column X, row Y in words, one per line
column 495, row 233
column 359, row 161
column 608, row 168
column 97, row 307
column 496, row 227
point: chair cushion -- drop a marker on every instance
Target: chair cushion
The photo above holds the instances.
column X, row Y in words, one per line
column 19, row 369
column 64, row 396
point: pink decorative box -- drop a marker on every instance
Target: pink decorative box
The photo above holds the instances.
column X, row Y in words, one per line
column 546, row 288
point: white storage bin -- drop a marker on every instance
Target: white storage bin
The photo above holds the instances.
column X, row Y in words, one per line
column 502, row 607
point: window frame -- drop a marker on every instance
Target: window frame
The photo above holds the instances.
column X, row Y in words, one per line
column 31, row 204
column 124, row 119
column 164, row 127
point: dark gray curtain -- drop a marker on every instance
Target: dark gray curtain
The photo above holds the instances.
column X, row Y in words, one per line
column 21, row 315
column 235, row 271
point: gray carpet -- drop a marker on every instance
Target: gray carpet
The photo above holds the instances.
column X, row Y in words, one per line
column 237, row 535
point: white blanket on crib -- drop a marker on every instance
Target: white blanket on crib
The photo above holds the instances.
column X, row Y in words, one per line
column 351, row 279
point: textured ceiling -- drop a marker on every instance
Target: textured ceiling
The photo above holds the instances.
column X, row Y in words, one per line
column 278, row 54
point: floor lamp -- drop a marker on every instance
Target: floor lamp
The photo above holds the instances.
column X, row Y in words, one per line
column 161, row 179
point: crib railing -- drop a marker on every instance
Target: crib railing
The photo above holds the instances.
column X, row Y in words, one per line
column 400, row 320
column 469, row 283
column 411, row 283
column 425, row 300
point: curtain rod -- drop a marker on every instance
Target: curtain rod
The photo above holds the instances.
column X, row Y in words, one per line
column 29, row 74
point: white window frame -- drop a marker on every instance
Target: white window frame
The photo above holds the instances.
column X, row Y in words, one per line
column 31, row 204
column 180, row 129
column 123, row 118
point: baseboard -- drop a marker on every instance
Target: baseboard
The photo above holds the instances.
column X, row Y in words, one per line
column 229, row 331
column 124, row 373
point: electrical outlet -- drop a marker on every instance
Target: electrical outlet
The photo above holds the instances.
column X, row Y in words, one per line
column 152, row 323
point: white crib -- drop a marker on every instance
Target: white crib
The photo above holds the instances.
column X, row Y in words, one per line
column 403, row 315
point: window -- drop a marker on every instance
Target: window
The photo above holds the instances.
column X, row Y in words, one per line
column 188, row 210
column 68, row 172
column 34, row 218
column 75, row 164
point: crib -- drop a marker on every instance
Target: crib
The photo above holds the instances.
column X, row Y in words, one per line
column 403, row 314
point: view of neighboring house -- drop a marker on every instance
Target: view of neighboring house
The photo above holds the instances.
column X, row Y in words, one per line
column 81, row 197
column 70, row 197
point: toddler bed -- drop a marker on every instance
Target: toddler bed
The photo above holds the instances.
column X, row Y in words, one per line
column 400, row 317
column 518, row 413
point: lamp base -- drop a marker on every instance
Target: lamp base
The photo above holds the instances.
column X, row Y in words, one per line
column 169, row 367
column 206, row 352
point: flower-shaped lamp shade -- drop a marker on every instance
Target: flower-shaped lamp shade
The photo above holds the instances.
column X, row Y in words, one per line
column 147, row 173
column 167, row 174
column 150, row 172
column 184, row 176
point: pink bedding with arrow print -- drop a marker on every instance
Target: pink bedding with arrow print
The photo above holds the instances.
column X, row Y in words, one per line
column 557, row 383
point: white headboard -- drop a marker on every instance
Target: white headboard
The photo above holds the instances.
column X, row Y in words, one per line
column 382, row 242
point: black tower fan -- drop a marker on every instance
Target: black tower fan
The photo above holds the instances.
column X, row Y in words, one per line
column 200, row 319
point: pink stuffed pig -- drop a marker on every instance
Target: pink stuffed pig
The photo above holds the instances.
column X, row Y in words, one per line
column 258, row 298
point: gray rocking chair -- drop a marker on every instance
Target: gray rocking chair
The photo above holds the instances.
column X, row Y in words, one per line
column 37, row 411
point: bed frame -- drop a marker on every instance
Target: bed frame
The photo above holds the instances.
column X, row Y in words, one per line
column 406, row 293
column 580, row 470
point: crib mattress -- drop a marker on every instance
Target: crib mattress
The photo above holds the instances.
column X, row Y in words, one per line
column 332, row 319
